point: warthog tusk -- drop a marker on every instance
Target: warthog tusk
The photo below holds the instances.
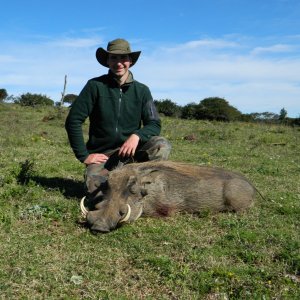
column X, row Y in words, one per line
column 139, row 214
column 82, row 207
column 126, row 218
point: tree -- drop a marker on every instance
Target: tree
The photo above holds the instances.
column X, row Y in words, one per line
column 33, row 100
column 70, row 98
column 167, row 107
column 282, row 115
column 63, row 92
column 247, row 118
column 189, row 111
column 3, row 94
column 215, row 108
column 265, row 117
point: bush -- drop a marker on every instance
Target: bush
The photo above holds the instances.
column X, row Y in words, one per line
column 33, row 100
column 3, row 94
column 167, row 108
column 215, row 108
column 70, row 98
column 189, row 111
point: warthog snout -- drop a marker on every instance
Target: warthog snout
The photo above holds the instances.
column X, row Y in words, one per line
column 107, row 216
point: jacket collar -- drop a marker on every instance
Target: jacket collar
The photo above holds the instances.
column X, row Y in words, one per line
column 128, row 81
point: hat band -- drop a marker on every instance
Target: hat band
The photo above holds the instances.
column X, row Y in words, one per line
column 118, row 51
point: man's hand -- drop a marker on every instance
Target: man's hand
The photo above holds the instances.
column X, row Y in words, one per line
column 96, row 158
column 129, row 147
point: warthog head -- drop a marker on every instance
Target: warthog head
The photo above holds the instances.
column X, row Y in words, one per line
column 122, row 203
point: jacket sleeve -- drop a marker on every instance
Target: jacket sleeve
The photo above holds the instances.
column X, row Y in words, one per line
column 150, row 118
column 79, row 112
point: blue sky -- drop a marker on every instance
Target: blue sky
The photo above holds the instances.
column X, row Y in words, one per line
column 246, row 51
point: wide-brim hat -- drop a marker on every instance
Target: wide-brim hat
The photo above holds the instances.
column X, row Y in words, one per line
column 117, row 46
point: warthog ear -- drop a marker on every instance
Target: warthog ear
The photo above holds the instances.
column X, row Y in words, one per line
column 148, row 180
column 147, row 175
column 132, row 185
column 145, row 171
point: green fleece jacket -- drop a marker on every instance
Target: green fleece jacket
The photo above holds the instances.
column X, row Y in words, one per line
column 114, row 112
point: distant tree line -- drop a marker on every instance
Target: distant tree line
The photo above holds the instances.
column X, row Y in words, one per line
column 218, row 109
column 212, row 109
column 33, row 100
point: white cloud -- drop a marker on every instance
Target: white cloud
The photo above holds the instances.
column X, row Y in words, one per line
column 202, row 44
column 249, row 83
column 184, row 73
column 7, row 58
column 279, row 48
column 76, row 42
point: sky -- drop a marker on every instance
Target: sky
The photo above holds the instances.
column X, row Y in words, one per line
column 245, row 51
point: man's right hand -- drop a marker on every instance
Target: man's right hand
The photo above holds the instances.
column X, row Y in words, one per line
column 96, row 158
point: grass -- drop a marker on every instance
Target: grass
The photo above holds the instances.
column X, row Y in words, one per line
column 47, row 253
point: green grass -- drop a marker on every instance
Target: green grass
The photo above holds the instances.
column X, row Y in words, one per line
column 48, row 253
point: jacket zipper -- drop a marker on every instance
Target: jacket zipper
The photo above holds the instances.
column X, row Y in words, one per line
column 119, row 111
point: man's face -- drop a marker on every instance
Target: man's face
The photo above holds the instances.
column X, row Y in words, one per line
column 119, row 63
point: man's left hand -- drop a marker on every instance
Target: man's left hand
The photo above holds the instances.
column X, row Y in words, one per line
column 129, row 147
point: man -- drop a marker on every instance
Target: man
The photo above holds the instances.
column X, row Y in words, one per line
column 124, row 124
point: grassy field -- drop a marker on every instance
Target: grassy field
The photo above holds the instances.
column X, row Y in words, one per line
column 48, row 253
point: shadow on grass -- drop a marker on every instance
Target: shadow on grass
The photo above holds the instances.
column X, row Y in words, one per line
column 68, row 187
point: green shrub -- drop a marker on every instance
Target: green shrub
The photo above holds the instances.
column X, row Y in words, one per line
column 3, row 94
column 33, row 100
column 167, row 108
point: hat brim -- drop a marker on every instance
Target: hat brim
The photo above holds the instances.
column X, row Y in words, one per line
column 102, row 56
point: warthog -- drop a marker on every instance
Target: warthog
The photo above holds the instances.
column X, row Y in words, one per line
column 162, row 188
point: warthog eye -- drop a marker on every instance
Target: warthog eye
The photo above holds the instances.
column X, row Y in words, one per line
column 133, row 189
column 144, row 192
